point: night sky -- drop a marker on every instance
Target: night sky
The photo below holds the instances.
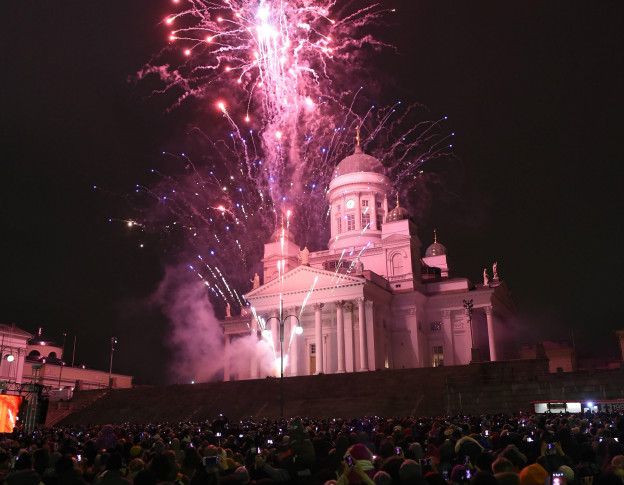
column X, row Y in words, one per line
column 533, row 91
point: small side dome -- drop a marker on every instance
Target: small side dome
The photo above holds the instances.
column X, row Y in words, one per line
column 398, row 213
column 435, row 249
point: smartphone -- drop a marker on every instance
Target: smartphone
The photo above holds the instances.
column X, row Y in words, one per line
column 486, row 432
column 529, row 439
column 557, row 478
column 269, row 442
column 79, row 458
column 398, row 450
column 240, row 435
column 218, row 434
column 258, row 450
column 349, row 461
column 468, row 474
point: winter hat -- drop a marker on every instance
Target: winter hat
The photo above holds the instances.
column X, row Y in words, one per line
column 360, row 452
column 382, row 478
column 617, row 461
column 568, row 473
column 534, row 474
column 241, row 475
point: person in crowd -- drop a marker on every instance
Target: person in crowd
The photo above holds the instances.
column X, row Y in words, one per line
column 415, row 450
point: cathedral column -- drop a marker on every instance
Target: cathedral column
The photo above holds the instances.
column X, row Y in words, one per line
column 358, row 214
column 318, row 337
column 340, row 337
column 490, row 328
column 253, row 372
column 362, row 333
column 226, row 359
column 293, row 354
column 370, row 334
column 373, row 213
column 348, row 321
column 447, row 328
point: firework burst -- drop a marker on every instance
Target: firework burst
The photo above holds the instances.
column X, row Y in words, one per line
column 279, row 73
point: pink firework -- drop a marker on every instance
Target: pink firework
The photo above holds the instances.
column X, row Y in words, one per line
column 280, row 73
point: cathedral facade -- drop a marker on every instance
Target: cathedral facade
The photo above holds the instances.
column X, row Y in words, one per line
column 372, row 300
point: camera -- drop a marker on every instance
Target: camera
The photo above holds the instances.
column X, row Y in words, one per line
column 486, row 432
column 398, row 450
column 468, row 474
column 218, row 434
column 349, row 461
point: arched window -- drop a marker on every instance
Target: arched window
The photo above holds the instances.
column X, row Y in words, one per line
column 397, row 264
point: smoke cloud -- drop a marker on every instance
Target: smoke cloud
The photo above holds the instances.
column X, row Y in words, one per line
column 196, row 337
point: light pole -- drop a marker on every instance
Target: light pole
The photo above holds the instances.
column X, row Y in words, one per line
column 298, row 331
column 110, row 367
column 60, row 374
column 474, row 352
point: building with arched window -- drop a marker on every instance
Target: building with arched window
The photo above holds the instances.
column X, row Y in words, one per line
column 372, row 300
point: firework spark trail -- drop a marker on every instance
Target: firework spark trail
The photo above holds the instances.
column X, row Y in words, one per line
column 274, row 70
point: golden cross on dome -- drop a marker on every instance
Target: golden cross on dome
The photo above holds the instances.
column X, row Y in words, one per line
column 435, row 235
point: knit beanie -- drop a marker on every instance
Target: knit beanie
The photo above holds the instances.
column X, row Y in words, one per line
column 534, row 474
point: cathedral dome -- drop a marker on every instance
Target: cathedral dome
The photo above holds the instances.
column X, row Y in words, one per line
column 358, row 162
column 436, row 249
column 397, row 214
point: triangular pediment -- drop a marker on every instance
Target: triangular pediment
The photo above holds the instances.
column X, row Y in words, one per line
column 392, row 238
column 302, row 279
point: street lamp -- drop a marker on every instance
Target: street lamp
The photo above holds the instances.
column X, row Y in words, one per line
column 298, row 331
column 110, row 367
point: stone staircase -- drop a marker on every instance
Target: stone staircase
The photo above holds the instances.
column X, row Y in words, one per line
column 58, row 410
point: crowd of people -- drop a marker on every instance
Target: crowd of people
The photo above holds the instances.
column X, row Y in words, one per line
column 460, row 450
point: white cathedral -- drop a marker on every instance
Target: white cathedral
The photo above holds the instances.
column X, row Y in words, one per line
column 371, row 300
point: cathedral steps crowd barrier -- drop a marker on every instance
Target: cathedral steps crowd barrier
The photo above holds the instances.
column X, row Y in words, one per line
column 508, row 386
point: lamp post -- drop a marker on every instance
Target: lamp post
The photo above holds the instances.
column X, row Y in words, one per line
column 298, row 331
column 60, row 374
column 110, row 367
column 474, row 352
